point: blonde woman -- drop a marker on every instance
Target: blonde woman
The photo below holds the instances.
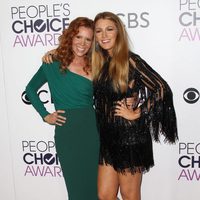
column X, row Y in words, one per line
column 126, row 134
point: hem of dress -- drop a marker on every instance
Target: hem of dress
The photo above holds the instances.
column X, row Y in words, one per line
column 131, row 169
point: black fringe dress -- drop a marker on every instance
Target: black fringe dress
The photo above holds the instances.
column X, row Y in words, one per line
column 127, row 144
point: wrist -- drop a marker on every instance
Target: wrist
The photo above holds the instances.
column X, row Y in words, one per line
column 136, row 114
column 45, row 119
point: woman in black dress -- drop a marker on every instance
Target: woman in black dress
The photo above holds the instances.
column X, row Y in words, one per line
column 126, row 132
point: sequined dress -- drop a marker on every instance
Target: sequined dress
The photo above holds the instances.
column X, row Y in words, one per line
column 127, row 144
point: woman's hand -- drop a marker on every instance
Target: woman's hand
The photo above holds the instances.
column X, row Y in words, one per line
column 123, row 111
column 55, row 118
column 48, row 56
column 130, row 102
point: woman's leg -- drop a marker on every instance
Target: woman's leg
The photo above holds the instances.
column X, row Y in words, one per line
column 130, row 186
column 108, row 183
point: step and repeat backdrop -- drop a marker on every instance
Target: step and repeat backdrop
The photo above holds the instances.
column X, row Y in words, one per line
column 165, row 33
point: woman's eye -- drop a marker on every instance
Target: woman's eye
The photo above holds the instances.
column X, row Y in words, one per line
column 97, row 31
column 110, row 29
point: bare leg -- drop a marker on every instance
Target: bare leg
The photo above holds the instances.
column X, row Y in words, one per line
column 108, row 183
column 130, row 186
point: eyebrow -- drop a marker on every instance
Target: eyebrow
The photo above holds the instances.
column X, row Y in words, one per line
column 110, row 26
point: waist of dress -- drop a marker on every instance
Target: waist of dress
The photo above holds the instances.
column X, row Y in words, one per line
column 79, row 112
column 76, row 108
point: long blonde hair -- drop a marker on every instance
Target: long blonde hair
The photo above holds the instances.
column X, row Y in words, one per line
column 119, row 65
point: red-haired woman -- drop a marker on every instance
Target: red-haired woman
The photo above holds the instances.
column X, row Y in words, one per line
column 69, row 80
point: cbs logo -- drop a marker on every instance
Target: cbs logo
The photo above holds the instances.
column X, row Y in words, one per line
column 42, row 94
column 191, row 95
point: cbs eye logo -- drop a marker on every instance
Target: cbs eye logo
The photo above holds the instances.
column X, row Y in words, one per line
column 25, row 98
column 191, row 95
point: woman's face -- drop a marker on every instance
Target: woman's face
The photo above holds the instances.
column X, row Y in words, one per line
column 82, row 42
column 106, row 34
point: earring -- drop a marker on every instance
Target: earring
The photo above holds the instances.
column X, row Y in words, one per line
column 97, row 48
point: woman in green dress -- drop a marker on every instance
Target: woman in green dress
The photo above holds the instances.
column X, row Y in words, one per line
column 70, row 84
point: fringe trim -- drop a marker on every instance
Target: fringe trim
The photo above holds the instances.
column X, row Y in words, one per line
column 132, row 169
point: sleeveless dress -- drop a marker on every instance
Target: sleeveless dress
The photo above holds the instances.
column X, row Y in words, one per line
column 77, row 141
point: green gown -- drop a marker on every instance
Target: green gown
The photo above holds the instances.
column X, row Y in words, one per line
column 77, row 141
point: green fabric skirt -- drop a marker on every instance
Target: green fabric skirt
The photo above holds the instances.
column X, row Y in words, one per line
column 77, row 146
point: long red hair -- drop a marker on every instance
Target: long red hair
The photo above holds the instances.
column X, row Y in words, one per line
column 64, row 52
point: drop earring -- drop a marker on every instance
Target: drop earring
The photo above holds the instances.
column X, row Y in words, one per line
column 97, row 48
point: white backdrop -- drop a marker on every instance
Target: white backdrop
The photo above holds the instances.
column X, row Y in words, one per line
column 165, row 34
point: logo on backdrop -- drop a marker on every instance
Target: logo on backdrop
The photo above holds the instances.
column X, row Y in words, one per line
column 191, row 95
column 135, row 20
column 40, row 159
column 189, row 161
column 189, row 19
column 39, row 25
column 44, row 96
